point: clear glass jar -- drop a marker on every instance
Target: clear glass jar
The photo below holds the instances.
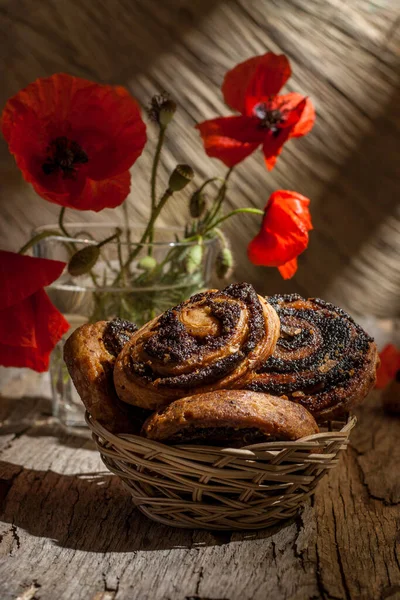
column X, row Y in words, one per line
column 175, row 270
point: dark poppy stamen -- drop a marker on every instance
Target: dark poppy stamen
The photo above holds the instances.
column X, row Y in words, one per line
column 270, row 119
column 65, row 155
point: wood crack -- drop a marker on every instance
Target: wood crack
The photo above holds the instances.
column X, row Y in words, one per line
column 339, row 557
column 299, row 553
column 14, row 533
column 69, row 528
column 199, row 580
column 385, row 501
column 108, row 588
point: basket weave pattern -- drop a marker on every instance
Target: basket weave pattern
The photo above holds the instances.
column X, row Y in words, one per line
column 221, row 488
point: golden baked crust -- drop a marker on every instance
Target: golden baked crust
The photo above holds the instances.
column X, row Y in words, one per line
column 323, row 359
column 212, row 341
column 230, row 417
column 89, row 354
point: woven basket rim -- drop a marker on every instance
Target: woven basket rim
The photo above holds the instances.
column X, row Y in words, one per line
column 245, row 452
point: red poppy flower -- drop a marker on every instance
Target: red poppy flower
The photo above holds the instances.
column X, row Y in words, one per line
column 75, row 140
column 30, row 326
column 284, row 233
column 266, row 120
column 390, row 364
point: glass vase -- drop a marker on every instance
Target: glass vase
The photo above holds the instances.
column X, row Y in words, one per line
column 130, row 280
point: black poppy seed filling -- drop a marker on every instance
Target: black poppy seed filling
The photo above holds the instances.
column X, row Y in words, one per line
column 336, row 336
column 117, row 333
column 220, row 435
column 248, row 295
column 343, row 341
column 205, row 375
column 172, row 343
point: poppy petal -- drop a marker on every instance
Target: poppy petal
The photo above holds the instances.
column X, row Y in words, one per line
column 288, row 269
column 297, row 204
column 307, row 117
column 22, row 276
column 390, row 364
column 273, row 146
column 284, row 232
column 111, row 131
column 258, row 76
column 16, row 324
column 106, row 194
column 47, row 328
column 95, row 195
column 274, row 141
column 230, row 139
column 103, row 121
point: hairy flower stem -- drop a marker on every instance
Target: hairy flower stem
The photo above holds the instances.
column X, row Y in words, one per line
column 37, row 238
column 147, row 232
column 237, row 211
column 207, row 182
column 126, row 221
column 110, row 238
column 61, row 222
column 220, row 198
column 153, row 181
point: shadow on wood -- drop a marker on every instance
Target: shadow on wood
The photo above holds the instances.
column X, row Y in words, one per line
column 93, row 512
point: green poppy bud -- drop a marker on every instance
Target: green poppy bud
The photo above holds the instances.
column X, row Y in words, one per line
column 197, row 205
column 224, row 263
column 147, row 263
column 83, row 260
column 167, row 111
column 193, row 259
column 180, row 177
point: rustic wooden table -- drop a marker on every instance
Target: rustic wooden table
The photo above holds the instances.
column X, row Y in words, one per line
column 69, row 530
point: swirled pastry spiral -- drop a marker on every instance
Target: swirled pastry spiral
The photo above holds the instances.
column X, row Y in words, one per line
column 211, row 341
column 89, row 354
column 323, row 359
column 231, row 418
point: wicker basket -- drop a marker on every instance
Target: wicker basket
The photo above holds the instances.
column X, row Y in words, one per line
column 221, row 488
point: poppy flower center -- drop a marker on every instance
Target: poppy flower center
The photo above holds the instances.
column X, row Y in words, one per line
column 64, row 155
column 270, row 118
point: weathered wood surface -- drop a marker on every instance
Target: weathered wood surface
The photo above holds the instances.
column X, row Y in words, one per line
column 68, row 529
column 345, row 55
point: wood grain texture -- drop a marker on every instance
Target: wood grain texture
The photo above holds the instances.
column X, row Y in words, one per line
column 69, row 531
column 345, row 55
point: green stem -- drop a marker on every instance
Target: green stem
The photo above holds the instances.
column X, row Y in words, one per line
column 154, row 169
column 61, row 222
column 147, row 232
column 221, row 237
column 153, row 181
column 220, row 197
column 207, row 182
column 126, row 222
column 237, row 211
column 37, row 238
column 121, row 262
column 110, row 238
